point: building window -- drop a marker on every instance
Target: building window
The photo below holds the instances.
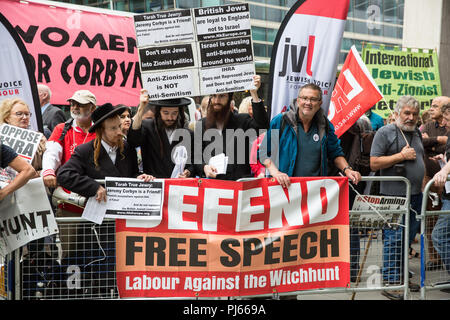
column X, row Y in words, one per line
column 187, row 4
column 259, row 50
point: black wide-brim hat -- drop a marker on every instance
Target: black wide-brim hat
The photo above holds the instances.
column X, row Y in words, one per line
column 104, row 112
column 177, row 102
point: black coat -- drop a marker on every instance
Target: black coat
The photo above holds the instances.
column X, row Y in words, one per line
column 239, row 161
column 79, row 173
column 52, row 116
column 155, row 163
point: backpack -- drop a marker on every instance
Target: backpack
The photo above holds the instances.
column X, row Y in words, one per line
column 66, row 128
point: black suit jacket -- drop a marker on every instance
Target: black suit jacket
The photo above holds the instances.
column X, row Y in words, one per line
column 231, row 140
column 154, row 163
column 52, row 116
column 79, row 173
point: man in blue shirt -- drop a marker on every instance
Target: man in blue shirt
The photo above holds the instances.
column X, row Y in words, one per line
column 306, row 141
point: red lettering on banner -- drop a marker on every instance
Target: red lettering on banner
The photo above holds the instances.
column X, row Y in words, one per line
column 295, row 206
column 223, row 238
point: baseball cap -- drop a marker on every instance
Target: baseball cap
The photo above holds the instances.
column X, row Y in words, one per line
column 84, row 97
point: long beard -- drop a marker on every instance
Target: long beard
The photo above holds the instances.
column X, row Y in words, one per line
column 221, row 116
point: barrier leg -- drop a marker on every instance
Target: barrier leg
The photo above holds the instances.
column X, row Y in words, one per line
column 366, row 252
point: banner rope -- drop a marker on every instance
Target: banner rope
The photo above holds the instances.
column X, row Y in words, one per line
column 373, row 208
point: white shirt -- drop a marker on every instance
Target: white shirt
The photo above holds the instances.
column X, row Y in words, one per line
column 111, row 151
column 170, row 133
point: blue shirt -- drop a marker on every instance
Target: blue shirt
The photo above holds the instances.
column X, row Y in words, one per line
column 45, row 106
column 307, row 163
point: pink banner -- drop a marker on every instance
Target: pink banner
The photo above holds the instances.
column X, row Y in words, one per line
column 73, row 50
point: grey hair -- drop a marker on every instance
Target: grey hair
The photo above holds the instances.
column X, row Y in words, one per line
column 45, row 88
column 406, row 101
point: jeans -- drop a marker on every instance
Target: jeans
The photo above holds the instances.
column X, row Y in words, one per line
column 393, row 247
column 441, row 235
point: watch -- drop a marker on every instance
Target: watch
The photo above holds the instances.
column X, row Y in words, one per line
column 347, row 167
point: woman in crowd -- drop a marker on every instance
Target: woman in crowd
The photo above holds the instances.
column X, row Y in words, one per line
column 16, row 112
column 125, row 118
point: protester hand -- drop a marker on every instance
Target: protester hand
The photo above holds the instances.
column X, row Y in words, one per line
column 438, row 157
column 353, row 176
column 261, row 175
column 440, row 178
column 210, row 171
column 282, row 178
column 146, row 177
column 408, row 153
column 425, row 135
column 257, row 84
column 442, row 139
column 186, row 174
column 50, row 181
column 143, row 99
column 101, row 194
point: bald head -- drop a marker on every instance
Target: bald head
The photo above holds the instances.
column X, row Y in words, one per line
column 44, row 94
column 440, row 101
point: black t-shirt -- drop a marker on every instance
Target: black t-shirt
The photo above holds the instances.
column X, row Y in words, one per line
column 7, row 156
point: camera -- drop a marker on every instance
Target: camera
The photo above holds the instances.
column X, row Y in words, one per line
column 400, row 169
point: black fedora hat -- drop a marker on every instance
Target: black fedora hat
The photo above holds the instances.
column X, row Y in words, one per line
column 177, row 102
column 104, row 112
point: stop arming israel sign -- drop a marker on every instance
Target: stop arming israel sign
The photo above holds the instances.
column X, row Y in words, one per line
column 355, row 93
column 224, row 238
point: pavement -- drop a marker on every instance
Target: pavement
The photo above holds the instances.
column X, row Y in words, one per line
column 414, row 265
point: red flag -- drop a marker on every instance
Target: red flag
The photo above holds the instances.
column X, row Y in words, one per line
column 355, row 93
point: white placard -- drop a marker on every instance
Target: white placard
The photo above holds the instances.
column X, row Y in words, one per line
column 22, row 220
column 134, row 199
column 163, row 27
column 171, row 84
column 217, row 57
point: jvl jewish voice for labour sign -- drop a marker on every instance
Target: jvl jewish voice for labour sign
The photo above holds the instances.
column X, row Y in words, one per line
column 238, row 238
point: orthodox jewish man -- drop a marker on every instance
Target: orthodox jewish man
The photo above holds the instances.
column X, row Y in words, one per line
column 159, row 137
column 107, row 155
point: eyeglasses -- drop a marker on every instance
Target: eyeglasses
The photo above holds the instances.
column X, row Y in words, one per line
column 23, row 114
column 76, row 104
column 312, row 100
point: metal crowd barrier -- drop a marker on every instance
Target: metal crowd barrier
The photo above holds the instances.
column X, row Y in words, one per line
column 5, row 293
column 79, row 262
column 432, row 276
column 367, row 244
